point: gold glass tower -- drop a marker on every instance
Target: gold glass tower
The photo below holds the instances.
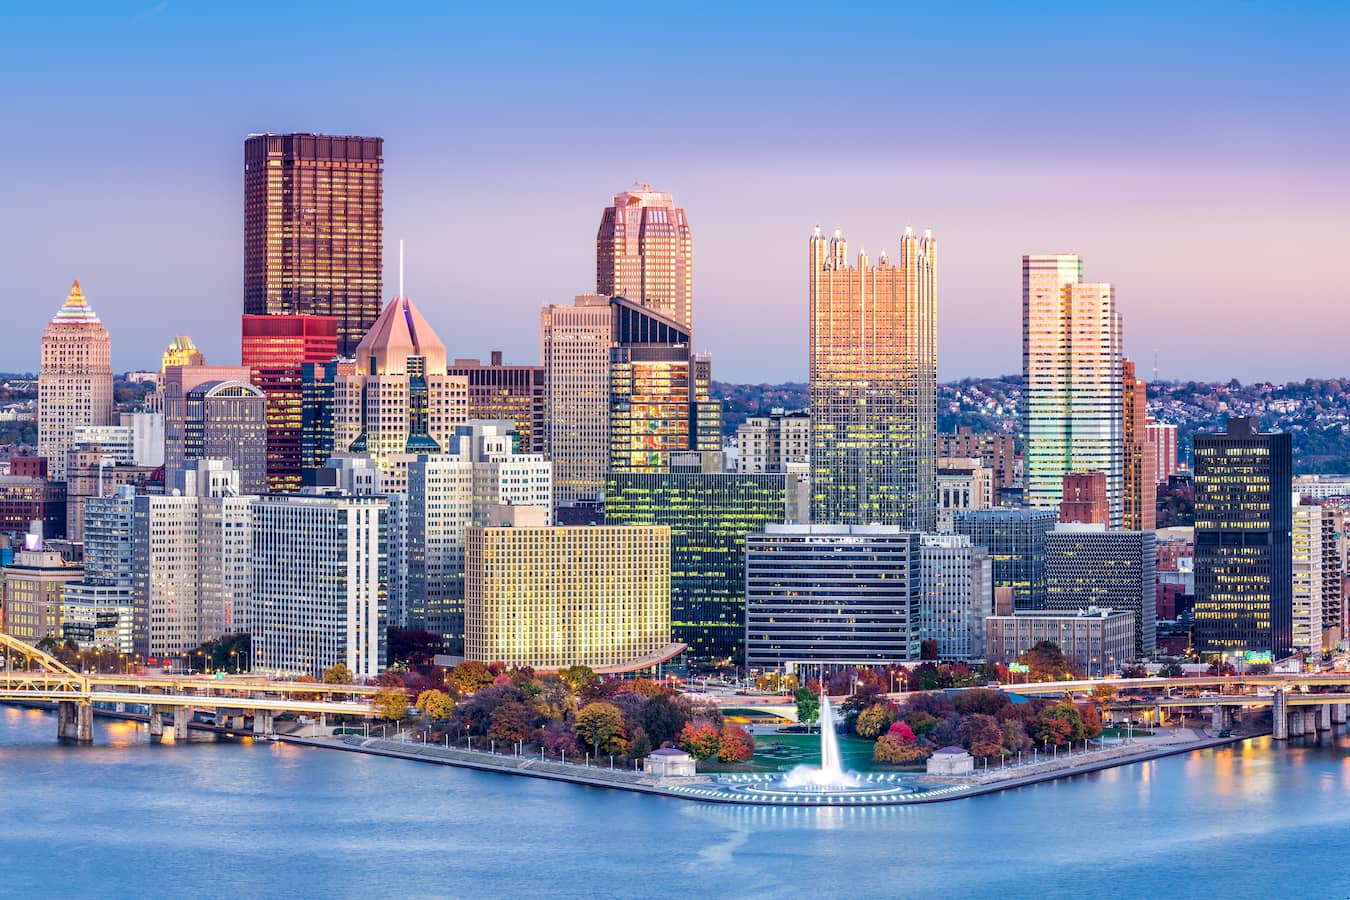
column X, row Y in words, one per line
column 1072, row 380
column 1140, row 479
column 873, row 335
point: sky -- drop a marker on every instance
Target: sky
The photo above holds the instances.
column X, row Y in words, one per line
column 1197, row 155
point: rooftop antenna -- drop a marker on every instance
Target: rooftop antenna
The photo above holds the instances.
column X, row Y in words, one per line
column 1155, row 365
column 400, row 271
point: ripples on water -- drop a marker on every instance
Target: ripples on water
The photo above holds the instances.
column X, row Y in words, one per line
column 259, row 820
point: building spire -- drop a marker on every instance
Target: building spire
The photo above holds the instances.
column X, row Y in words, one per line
column 76, row 296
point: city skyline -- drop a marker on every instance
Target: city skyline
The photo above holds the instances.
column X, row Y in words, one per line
column 1160, row 205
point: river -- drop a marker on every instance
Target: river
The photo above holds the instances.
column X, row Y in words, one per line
column 126, row 817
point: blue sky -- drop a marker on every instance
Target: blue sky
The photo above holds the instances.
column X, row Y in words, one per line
column 1195, row 154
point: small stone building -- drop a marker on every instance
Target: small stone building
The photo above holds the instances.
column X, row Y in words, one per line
column 668, row 761
column 951, row 761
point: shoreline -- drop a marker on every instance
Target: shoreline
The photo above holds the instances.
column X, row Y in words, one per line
column 706, row 788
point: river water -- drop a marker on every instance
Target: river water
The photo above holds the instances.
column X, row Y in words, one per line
column 126, row 817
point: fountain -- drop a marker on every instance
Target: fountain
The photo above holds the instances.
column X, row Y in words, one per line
column 827, row 784
column 830, row 774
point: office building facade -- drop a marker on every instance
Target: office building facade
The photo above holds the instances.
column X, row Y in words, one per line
column 873, row 371
column 75, row 382
column 313, row 229
column 957, row 595
column 275, row 349
column 774, row 442
column 1089, row 566
column 995, row 450
column 831, row 596
column 1015, row 539
column 320, row 582
column 574, row 345
column 709, row 515
column 1139, row 480
column 1072, row 380
column 1243, row 553
column 555, row 596
column 1098, row 641
column 498, row 391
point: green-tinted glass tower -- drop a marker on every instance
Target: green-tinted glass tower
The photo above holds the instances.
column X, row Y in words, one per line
column 709, row 514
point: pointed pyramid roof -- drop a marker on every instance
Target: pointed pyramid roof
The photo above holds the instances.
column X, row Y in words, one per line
column 76, row 308
column 399, row 332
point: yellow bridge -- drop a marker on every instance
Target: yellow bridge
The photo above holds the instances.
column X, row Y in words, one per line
column 32, row 675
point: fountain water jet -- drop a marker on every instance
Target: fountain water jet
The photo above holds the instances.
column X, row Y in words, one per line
column 830, row 774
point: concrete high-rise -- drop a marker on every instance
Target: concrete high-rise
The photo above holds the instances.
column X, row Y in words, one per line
column 1139, row 481
column 498, row 391
column 957, row 595
column 873, row 369
column 313, row 229
column 1072, row 379
column 1243, row 552
column 644, row 251
column 1162, row 438
column 1087, row 566
column 275, row 349
column 574, row 343
column 75, row 382
column 320, row 583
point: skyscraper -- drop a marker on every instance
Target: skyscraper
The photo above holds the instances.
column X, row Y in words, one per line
column 574, row 343
column 1243, row 555
column 75, row 383
column 1139, row 482
column 644, row 251
column 313, row 229
column 659, row 392
column 400, row 401
column 217, row 419
column 275, row 349
column 873, row 337
column 1072, row 377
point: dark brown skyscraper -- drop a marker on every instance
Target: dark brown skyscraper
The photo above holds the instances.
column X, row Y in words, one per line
column 313, row 229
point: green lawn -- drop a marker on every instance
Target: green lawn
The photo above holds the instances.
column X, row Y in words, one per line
column 780, row 752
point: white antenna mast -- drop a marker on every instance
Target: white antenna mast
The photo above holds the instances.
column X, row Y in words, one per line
column 400, row 268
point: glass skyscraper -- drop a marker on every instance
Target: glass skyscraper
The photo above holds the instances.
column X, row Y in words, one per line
column 709, row 515
column 1072, row 380
column 313, row 229
column 645, row 252
column 1015, row 539
column 873, row 342
column 1243, row 551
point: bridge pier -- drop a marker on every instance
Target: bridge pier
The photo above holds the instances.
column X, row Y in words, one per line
column 262, row 722
column 1280, row 715
column 1338, row 714
column 156, row 724
column 182, row 715
column 1216, row 717
column 75, row 721
column 1324, row 717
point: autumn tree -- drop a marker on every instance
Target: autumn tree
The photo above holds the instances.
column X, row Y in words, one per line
column 903, row 732
column 874, row 720
column 391, row 704
column 734, row 744
column 928, row 650
column 979, row 700
column 891, row 748
column 1046, row 661
column 511, row 723
column 578, row 677
column 471, row 675
column 1058, row 724
column 639, row 744
column 1170, row 669
column 338, row 673
column 982, row 735
column 435, row 705
column 600, row 724
column 700, row 740
column 1103, row 694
